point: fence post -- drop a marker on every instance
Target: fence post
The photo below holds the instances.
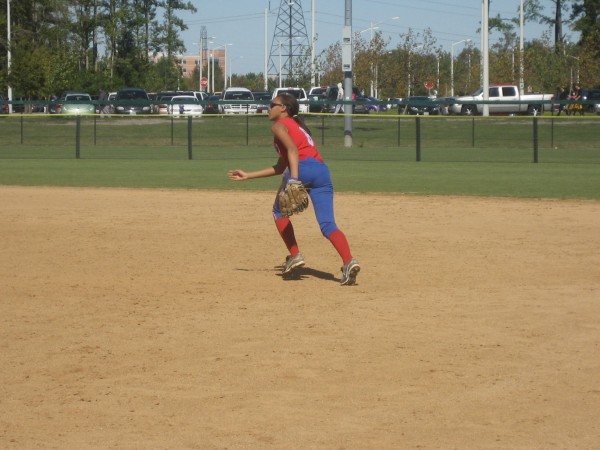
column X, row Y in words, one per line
column 323, row 130
column 172, row 131
column 473, row 133
column 552, row 132
column 247, row 127
column 418, row 131
column 95, row 119
column 535, row 139
column 398, row 138
column 190, row 156
column 22, row 130
column 78, row 138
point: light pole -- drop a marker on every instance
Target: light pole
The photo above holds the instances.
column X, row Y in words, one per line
column 8, row 54
column 223, row 46
column 373, row 26
column 414, row 47
column 200, row 63
column 279, row 63
column 290, row 61
column 485, row 53
column 313, row 39
column 452, row 64
column 576, row 58
column 208, row 58
column 280, row 43
column 521, row 51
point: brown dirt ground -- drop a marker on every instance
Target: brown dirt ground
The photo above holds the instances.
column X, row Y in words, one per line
column 158, row 319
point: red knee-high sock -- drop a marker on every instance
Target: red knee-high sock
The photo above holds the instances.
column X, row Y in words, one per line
column 339, row 241
column 286, row 230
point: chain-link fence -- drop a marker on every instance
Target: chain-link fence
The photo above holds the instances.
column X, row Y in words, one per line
column 390, row 137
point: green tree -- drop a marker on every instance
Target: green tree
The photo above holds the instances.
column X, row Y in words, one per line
column 586, row 20
column 166, row 38
column 534, row 10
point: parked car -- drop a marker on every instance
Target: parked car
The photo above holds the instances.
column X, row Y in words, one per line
column 153, row 97
column 263, row 99
column 111, row 102
column 373, row 105
column 76, row 103
column 238, row 100
column 446, row 104
column 331, row 95
column 161, row 104
column 185, row 104
column 3, row 106
column 316, row 95
column 212, row 105
column 592, row 99
column 297, row 92
column 500, row 97
column 360, row 106
column 317, row 90
column 200, row 95
column 392, row 102
column 419, row 105
column 132, row 101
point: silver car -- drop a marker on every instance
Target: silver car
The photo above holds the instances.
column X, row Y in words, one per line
column 76, row 103
column 185, row 104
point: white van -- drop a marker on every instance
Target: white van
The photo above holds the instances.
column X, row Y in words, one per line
column 297, row 92
column 242, row 101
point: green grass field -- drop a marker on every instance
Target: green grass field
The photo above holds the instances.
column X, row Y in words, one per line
column 459, row 156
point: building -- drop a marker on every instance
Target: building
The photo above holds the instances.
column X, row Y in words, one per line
column 188, row 63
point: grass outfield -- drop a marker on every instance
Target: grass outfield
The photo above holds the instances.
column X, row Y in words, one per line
column 459, row 156
column 475, row 179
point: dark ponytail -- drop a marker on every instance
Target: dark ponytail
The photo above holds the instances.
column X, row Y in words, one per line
column 293, row 109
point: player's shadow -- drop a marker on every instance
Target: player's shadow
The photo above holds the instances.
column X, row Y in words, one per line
column 302, row 273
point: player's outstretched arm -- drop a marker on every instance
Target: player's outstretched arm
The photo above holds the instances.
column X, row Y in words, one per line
column 241, row 175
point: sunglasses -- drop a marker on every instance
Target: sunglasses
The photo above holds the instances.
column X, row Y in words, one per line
column 273, row 105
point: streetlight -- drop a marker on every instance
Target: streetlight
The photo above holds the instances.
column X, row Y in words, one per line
column 279, row 62
column 414, row 47
column 373, row 25
column 224, row 46
column 452, row 65
column 290, row 4
column 280, row 42
column 313, row 39
column 577, row 76
column 200, row 63
column 207, row 64
column 8, row 54
column 521, row 48
column 374, row 86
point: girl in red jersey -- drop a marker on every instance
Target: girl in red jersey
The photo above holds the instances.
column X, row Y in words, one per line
column 300, row 160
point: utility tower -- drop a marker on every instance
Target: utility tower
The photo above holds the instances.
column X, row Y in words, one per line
column 290, row 40
column 203, row 48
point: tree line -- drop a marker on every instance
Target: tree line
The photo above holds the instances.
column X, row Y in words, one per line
column 95, row 45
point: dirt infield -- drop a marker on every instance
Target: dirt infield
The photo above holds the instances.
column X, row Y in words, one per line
column 147, row 319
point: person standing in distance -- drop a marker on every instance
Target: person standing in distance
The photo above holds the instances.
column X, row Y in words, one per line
column 300, row 161
column 340, row 97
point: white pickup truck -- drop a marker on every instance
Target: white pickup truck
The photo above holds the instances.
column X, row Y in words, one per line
column 501, row 102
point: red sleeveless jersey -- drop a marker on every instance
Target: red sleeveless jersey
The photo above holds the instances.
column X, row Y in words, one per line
column 304, row 142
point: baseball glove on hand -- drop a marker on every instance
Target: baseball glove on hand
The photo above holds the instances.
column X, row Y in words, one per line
column 293, row 199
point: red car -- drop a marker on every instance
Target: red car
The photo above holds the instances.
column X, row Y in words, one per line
column 3, row 106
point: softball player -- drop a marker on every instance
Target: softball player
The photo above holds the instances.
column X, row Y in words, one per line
column 300, row 160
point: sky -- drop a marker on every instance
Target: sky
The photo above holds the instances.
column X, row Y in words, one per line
column 241, row 23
